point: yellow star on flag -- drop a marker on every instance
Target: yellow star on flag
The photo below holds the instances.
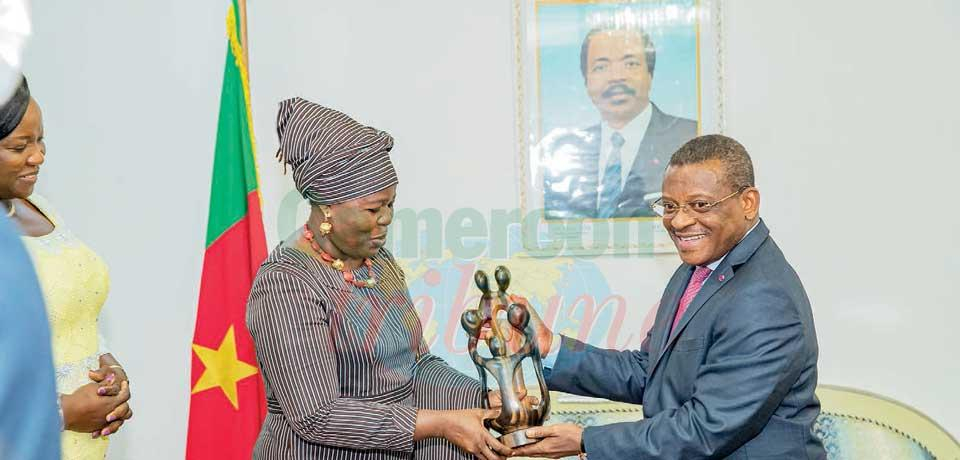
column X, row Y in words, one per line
column 223, row 369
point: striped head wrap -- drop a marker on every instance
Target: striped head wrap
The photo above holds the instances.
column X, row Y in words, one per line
column 12, row 111
column 334, row 158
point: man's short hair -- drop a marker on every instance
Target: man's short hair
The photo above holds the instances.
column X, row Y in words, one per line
column 738, row 168
column 649, row 50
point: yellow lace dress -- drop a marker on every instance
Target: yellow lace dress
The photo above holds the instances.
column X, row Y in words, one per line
column 75, row 282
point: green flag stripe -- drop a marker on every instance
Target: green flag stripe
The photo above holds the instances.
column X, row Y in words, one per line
column 234, row 173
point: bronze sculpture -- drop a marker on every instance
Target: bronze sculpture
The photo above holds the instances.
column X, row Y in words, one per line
column 517, row 412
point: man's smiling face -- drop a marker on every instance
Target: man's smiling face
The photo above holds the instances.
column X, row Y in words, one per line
column 704, row 237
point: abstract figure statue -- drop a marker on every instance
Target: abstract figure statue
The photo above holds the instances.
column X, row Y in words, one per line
column 518, row 412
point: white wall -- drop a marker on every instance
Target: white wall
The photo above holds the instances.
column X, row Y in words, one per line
column 850, row 111
column 129, row 93
column 847, row 108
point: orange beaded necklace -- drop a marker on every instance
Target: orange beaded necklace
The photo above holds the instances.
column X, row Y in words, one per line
column 337, row 264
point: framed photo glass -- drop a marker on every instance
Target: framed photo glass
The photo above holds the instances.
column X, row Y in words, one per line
column 606, row 92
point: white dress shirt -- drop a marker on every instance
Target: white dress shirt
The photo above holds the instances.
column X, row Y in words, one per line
column 632, row 134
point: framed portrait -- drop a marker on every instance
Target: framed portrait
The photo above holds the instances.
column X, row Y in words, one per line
column 607, row 91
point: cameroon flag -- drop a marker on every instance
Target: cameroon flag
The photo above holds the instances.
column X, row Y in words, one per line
column 227, row 403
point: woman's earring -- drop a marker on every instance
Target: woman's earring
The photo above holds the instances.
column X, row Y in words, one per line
column 326, row 227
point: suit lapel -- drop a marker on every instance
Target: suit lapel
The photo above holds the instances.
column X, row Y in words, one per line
column 710, row 287
column 668, row 308
column 631, row 195
column 725, row 272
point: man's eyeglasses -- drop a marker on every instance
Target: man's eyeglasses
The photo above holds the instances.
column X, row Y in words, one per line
column 671, row 209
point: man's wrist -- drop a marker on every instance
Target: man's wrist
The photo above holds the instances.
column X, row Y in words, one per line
column 555, row 341
column 550, row 357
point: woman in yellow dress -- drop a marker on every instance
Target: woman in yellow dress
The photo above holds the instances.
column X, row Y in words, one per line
column 74, row 281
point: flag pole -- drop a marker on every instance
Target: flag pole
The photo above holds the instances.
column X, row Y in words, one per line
column 243, row 34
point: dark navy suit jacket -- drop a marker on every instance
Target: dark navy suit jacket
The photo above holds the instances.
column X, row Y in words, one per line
column 736, row 379
column 572, row 168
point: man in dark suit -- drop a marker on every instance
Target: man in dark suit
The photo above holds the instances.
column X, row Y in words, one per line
column 729, row 368
column 615, row 168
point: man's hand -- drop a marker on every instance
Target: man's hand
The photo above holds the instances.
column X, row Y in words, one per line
column 556, row 441
column 515, row 339
column 542, row 333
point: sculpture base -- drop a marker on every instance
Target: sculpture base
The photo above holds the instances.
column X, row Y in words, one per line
column 516, row 439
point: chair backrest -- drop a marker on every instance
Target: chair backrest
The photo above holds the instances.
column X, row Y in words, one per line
column 853, row 425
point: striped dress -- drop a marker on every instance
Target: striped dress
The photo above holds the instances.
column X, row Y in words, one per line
column 346, row 368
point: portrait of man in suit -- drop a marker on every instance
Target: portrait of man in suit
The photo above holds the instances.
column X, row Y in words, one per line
column 615, row 167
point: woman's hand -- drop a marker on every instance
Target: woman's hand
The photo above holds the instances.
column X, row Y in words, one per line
column 465, row 429
column 111, row 376
column 119, row 415
column 109, row 366
column 496, row 401
column 86, row 411
column 494, row 397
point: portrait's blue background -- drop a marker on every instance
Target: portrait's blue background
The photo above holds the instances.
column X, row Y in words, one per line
column 560, row 32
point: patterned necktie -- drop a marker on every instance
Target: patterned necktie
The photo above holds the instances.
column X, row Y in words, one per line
column 610, row 185
column 696, row 282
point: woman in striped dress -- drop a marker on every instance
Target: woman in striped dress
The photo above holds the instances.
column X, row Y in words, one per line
column 339, row 343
